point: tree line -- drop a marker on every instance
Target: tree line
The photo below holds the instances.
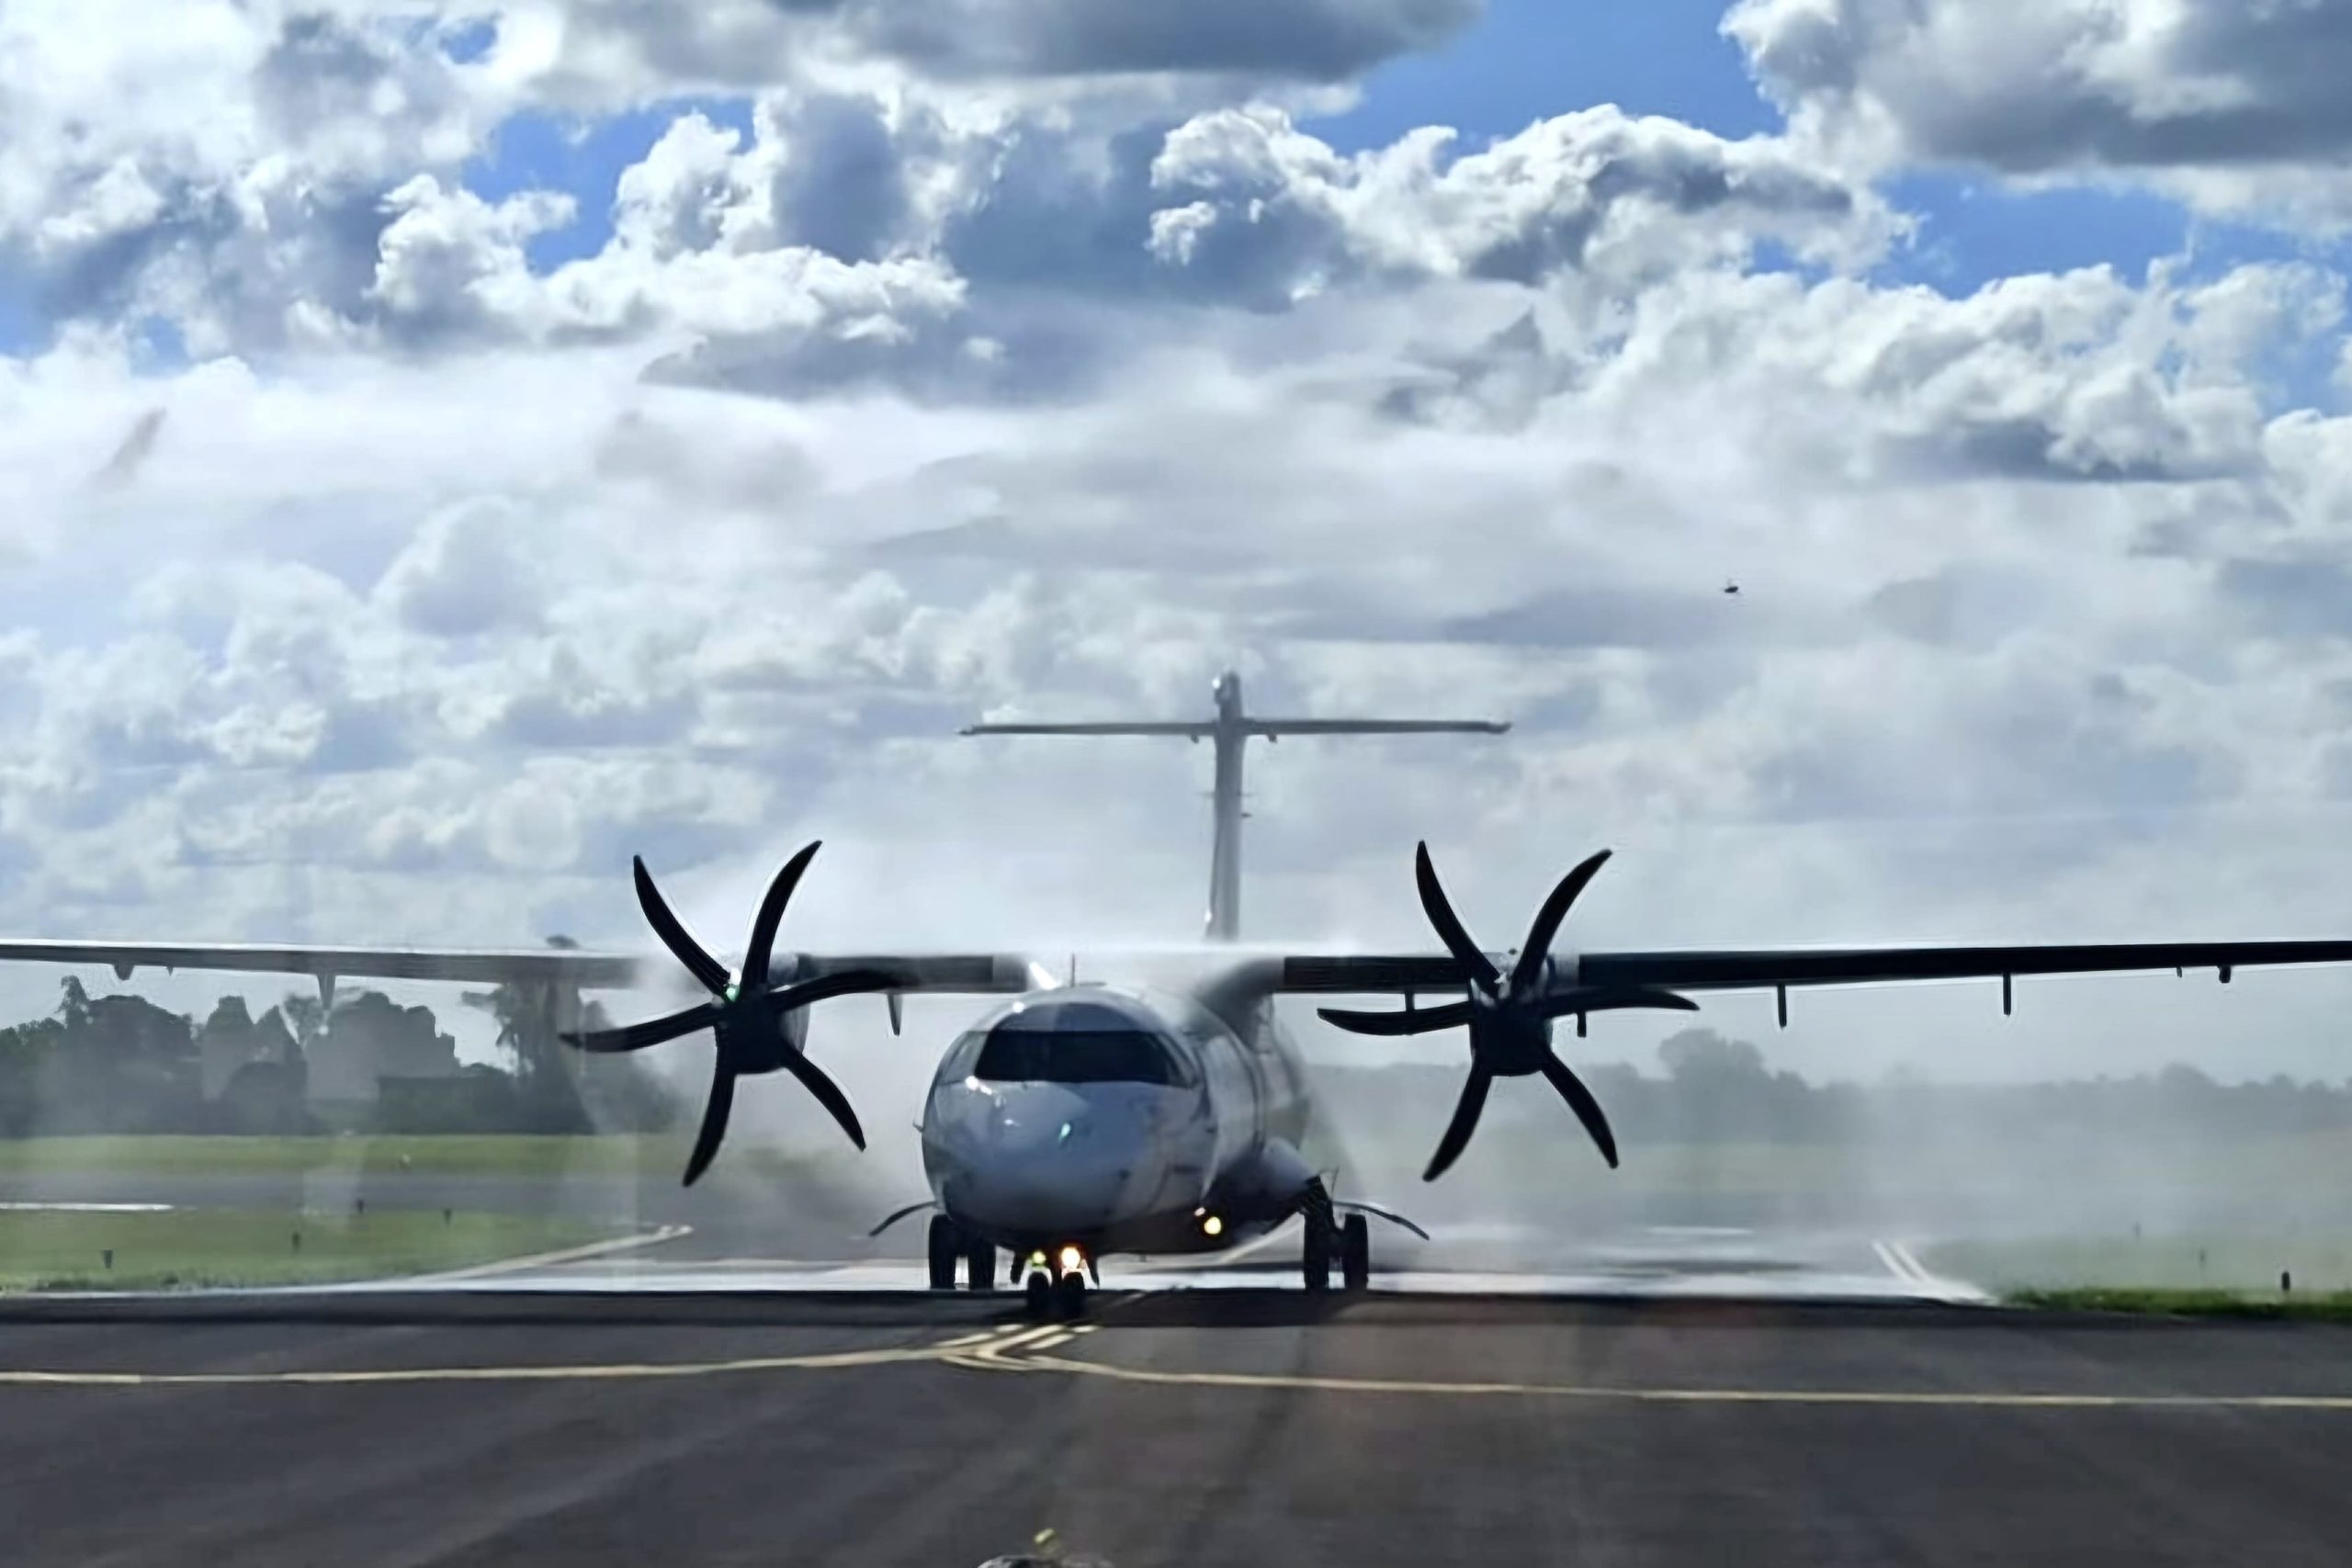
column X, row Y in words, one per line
column 1712, row 1088
column 121, row 1064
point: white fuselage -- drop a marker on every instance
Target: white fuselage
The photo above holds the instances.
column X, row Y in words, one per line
column 1119, row 1121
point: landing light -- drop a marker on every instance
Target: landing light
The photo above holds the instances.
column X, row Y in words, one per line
column 1073, row 1260
column 1213, row 1226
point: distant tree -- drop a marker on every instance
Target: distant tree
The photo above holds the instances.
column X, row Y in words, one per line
column 74, row 1010
column 226, row 1043
column 371, row 1037
column 531, row 1021
column 265, row 1097
column 27, row 1063
column 274, row 1040
column 1701, row 1054
column 118, row 1063
column 306, row 1015
column 621, row 1095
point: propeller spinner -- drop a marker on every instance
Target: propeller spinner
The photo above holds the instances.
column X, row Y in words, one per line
column 745, row 1014
column 1510, row 1018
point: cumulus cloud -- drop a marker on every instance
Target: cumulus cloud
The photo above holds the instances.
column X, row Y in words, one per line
column 2238, row 106
column 220, row 165
column 455, row 582
column 465, row 573
column 1597, row 190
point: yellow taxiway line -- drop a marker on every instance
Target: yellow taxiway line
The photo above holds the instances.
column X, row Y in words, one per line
column 1027, row 1349
column 1034, row 1358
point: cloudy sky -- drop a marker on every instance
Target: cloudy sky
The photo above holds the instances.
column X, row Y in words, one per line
column 447, row 447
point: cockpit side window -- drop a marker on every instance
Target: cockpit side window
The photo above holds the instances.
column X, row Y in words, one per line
column 961, row 1056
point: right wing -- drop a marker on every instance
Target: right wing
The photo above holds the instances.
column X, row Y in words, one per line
column 1779, row 969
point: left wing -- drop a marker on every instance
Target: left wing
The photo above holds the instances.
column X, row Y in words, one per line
column 489, row 967
column 941, row 972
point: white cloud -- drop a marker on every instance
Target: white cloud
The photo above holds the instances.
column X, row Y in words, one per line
column 1595, row 190
column 220, row 165
column 434, row 608
column 465, row 572
column 452, row 263
column 2238, row 107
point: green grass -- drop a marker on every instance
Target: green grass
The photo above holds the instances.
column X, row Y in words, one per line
column 2228, row 1264
column 455, row 1154
column 2334, row 1306
column 54, row 1250
column 2233, row 1275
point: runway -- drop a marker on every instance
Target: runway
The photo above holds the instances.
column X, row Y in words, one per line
column 1650, row 1263
column 1176, row 1427
column 733, row 1393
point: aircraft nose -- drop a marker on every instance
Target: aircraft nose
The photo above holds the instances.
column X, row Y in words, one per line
column 1039, row 1158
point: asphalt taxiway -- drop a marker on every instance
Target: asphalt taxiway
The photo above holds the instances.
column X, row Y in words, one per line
column 1237, row 1425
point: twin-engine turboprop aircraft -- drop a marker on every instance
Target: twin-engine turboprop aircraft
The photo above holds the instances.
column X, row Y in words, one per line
column 1076, row 1121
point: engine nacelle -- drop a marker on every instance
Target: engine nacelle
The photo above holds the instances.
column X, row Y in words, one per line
column 1267, row 1186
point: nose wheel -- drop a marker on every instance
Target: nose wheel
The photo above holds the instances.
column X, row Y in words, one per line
column 1056, row 1293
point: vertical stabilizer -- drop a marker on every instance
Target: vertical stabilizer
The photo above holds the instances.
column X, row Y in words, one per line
column 1231, row 730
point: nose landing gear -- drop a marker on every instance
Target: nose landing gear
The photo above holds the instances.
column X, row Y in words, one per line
column 1056, row 1287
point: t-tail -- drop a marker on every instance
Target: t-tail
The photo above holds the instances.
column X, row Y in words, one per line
column 1231, row 730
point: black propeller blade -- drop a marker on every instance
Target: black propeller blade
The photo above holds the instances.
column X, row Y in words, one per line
column 715, row 1112
column 745, row 1014
column 1510, row 1019
column 1465, row 1122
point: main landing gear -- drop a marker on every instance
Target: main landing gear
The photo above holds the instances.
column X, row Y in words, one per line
column 1055, row 1287
column 1329, row 1239
column 949, row 1247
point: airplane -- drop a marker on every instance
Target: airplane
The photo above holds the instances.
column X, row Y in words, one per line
column 1075, row 1122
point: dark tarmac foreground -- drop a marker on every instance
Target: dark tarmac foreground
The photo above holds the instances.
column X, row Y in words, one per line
column 1178, row 1428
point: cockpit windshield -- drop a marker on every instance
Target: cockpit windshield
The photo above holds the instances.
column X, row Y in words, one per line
column 1073, row 1042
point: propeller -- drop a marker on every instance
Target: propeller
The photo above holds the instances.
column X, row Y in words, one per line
column 745, row 1014
column 1508, row 1016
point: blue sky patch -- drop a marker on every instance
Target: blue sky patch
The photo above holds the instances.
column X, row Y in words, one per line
column 543, row 152
column 469, row 42
column 1531, row 60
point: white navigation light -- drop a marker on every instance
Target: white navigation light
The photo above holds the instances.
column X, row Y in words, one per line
column 1073, row 1260
column 1213, row 1226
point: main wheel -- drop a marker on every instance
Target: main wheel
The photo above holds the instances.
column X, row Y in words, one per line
column 979, row 1266
column 1355, row 1252
column 1038, row 1294
column 1069, row 1296
column 944, row 1244
column 1315, row 1254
